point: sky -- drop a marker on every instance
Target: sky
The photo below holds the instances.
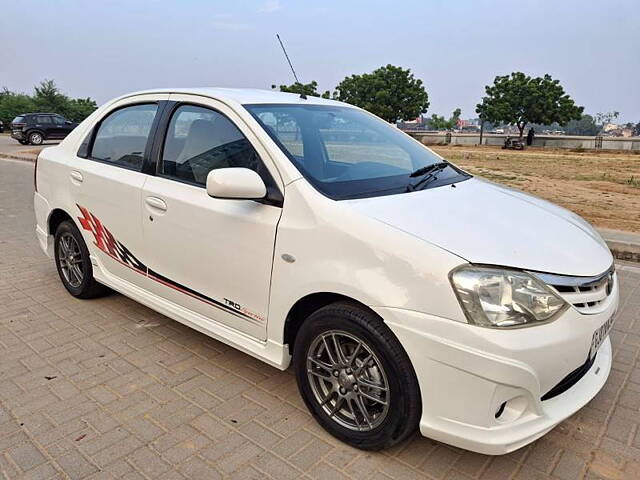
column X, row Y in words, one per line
column 102, row 49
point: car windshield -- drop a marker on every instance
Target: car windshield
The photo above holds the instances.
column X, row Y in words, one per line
column 347, row 153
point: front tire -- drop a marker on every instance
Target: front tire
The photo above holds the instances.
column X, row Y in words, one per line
column 73, row 263
column 36, row 138
column 355, row 377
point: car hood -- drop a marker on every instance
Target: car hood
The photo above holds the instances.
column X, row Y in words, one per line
column 487, row 223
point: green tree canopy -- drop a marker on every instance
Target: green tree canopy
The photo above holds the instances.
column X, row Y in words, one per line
column 46, row 98
column 390, row 92
column 585, row 126
column 518, row 99
column 437, row 122
column 606, row 117
column 310, row 89
column 13, row 104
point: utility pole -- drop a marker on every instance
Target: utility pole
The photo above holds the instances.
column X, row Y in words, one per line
column 481, row 128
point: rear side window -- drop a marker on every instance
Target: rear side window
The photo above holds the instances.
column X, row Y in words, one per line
column 200, row 140
column 19, row 119
column 122, row 136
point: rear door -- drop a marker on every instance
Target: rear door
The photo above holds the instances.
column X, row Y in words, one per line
column 108, row 183
column 211, row 256
column 44, row 123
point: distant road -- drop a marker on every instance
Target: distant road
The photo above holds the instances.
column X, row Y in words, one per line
column 9, row 145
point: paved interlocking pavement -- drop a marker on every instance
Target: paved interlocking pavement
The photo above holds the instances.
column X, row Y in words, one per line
column 110, row 389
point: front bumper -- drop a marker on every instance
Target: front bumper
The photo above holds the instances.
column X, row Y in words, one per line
column 467, row 373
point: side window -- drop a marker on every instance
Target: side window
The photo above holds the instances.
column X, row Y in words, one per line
column 43, row 119
column 122, row 136
column 59, row 120
column 200, row 140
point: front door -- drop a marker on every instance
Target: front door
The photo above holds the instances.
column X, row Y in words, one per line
column 212, row 256
column 59, row 128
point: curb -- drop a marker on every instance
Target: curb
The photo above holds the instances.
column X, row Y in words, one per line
column 624, row 251
column 621, row 250
column 11, row 156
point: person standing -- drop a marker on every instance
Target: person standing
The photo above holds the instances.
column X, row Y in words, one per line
column 530, row 135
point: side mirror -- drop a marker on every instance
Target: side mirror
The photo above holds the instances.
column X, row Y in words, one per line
column 240, row 183
column 68, row 122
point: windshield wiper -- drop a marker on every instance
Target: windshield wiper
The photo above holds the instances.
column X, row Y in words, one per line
column 427, row 173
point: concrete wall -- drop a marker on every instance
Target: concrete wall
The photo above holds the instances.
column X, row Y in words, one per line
column 554, row 141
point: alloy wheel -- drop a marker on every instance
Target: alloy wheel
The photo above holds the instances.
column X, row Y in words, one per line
column 348, row 380
column 70, row 259
column 35, row 138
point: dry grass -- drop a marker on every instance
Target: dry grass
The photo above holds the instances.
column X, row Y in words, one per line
column 602, row 187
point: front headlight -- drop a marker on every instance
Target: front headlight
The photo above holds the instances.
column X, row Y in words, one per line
column 499, row 298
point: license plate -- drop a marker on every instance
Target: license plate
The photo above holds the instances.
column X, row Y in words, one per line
column 599, row 335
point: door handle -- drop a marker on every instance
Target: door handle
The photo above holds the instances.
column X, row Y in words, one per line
column 156, row 203
column 76, row 176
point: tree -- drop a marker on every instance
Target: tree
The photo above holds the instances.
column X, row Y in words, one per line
column 390, row 92
column 310, row 89
column 606, row 117
column 585, row 126
column 80, row 108
column 46, row 98
column 437, row 122
column 518, row 99
column 13, row 104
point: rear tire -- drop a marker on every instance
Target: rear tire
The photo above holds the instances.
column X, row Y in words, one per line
column 373, row 375
column 73, row 263
column 36, row 138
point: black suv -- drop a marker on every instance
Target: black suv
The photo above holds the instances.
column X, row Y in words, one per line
column 35, row 128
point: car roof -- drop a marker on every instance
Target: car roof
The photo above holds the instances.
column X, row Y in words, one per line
column 244, row 95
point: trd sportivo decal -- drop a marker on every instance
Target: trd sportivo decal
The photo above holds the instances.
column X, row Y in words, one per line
column 109, row 245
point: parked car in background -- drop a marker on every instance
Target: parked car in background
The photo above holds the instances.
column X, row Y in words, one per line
column 35, row 128
column 406, row 292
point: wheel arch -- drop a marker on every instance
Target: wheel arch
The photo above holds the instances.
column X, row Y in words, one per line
column 308, row 304
column 56, row 217
column 36, row 130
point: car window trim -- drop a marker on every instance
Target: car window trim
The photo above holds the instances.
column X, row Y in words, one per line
column 91, row 136
column 274, row 196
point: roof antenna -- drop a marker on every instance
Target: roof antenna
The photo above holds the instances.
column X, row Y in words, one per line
column 302, row 95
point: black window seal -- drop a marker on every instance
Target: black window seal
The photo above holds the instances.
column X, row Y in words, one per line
column 86, row 147
column 273, row 197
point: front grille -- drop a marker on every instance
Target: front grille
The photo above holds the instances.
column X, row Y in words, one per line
column 586, row 294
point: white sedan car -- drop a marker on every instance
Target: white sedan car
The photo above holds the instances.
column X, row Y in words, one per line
column 406, row 292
